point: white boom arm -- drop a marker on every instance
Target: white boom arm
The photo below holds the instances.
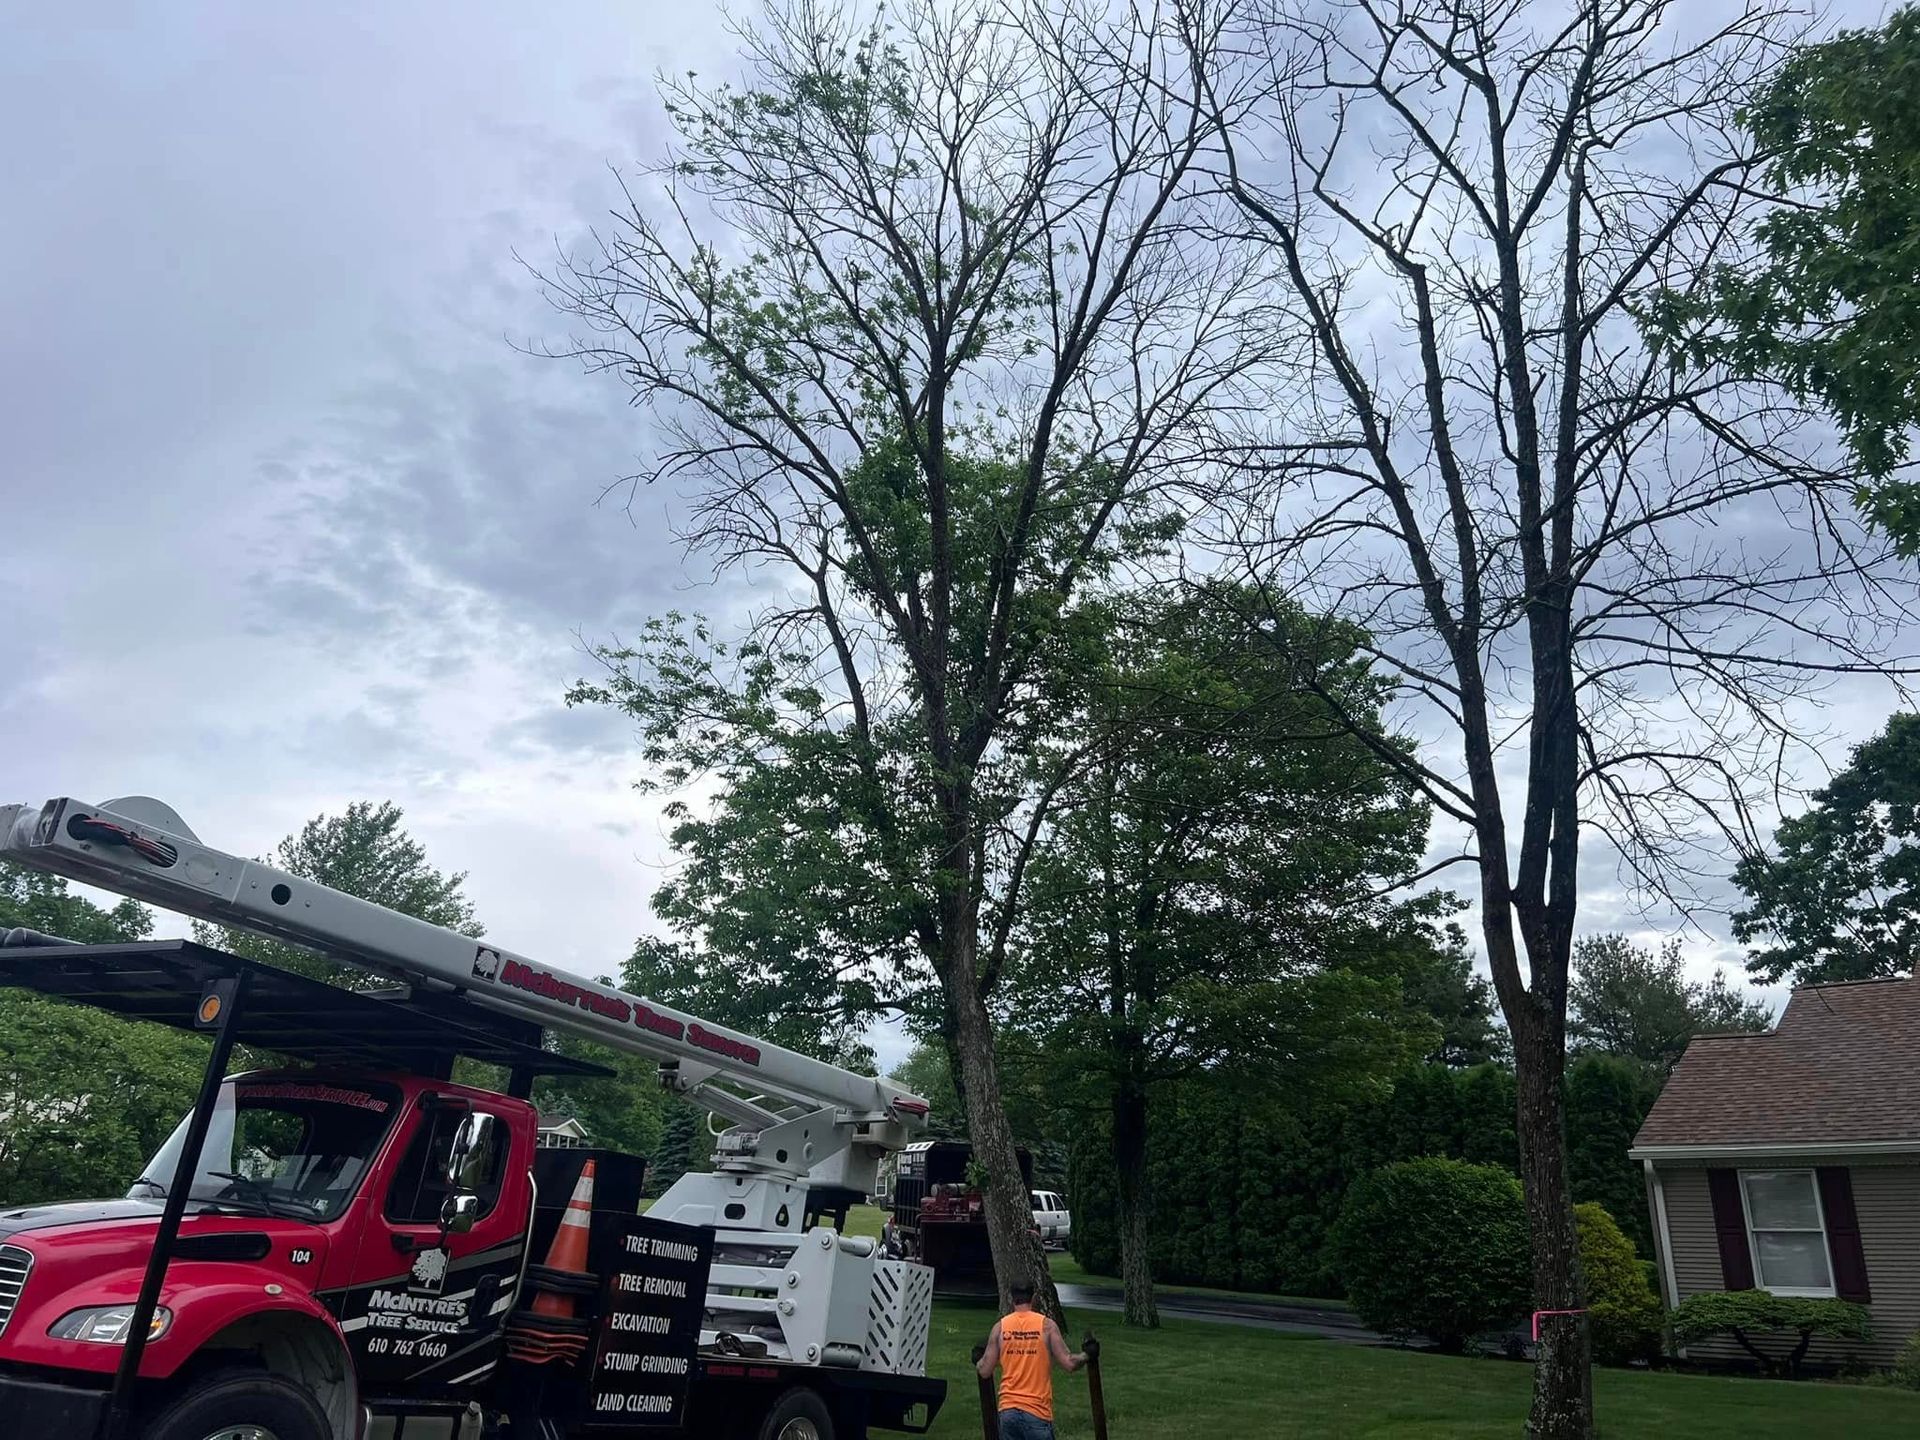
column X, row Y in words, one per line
column 141, row 848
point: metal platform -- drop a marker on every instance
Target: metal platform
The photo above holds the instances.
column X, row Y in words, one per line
column 288, row 1014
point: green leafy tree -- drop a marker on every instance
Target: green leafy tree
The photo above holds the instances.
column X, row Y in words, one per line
column 84, row 1097
column 1839, row 897
column 922, row 337
column 927, row 1073
column 686, row 1143
column 1831, row 299
column 365, row 853
column 34, row 900
column 1202, row 908
column 1607, row 1101
column 1637, row 1003
column 1442, row 983
column 624, row 1111
column 1751, row 1315
column 1435, row 1247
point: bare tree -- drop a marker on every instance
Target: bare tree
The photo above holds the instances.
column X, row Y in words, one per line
column 916, row 315
column 1609, row 580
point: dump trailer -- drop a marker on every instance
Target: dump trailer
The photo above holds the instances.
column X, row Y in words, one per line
column 349, row 1244
column 938, row 1216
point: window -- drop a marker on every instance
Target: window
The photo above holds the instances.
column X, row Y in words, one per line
column 280, row 1145
column 1787, row 1229
column 420, row 1185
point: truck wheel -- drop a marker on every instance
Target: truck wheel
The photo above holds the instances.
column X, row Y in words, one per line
column 798, row 1415
column 241, row 1405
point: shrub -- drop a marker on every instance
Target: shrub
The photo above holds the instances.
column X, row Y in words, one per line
column 1622, row 1311
column 1434, row 1247
column 1744, row 1314
column 1650, row 1272
column 1906, row 1369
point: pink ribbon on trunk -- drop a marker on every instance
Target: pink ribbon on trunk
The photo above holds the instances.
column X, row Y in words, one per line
column 1538, row 1313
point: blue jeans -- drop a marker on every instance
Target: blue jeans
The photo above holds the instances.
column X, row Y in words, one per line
column 1019, row 1425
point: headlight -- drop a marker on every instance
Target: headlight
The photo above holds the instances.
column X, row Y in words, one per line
column 107, row 1324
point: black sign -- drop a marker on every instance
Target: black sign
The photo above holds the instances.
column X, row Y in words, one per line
column 650, row 1308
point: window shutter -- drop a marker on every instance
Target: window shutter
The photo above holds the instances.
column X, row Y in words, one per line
column 1843, row 1234
column 1730, row 1226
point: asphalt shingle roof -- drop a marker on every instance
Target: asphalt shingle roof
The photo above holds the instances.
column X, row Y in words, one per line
column 1843, row 1064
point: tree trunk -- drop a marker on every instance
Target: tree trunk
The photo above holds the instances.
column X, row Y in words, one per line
column 1135, row 1203
column 1017, row 1255
column 1562, row 1377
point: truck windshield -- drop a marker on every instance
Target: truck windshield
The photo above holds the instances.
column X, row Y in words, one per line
column 280, row 1145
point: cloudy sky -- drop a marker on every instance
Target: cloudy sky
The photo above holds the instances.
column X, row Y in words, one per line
column 288, row 521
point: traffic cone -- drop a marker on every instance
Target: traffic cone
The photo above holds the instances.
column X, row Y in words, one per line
column 568, row 1253
column 551, row 1328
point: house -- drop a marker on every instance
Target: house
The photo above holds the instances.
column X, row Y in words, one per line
column 562, row 1132
column 1790, row 1161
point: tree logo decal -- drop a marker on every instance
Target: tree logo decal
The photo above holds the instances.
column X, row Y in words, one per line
column 429, row 1273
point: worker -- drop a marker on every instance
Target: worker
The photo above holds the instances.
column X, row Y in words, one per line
column 1026, row 1345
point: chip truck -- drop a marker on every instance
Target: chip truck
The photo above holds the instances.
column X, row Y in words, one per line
column 346, row 1242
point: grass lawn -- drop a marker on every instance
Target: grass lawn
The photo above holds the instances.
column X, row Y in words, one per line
column 865, row 1220
column 1195, row 1379
column 1067, row 1271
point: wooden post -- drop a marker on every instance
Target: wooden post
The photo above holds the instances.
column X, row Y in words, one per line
column 989, row 1407
column 1095, row 1394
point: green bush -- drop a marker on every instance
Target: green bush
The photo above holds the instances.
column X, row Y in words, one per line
column 1744, row 1314
column 1622, row 1311
column 1906, row 1369
column 1434, row 1247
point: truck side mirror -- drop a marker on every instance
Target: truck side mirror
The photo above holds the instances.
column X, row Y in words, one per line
column 460, row 1211
column 471, row 1155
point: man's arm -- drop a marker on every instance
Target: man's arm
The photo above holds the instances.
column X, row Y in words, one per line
column 990, row 1357
column 1056, row 1343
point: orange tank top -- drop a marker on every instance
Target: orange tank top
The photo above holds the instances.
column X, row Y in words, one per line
column 1026, row 1369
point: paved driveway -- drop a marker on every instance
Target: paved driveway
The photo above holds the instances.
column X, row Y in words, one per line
column 1326, row 1322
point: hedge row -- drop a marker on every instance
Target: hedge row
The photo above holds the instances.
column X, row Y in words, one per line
column 1246, row 1199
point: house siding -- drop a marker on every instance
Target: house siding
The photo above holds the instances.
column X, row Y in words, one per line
column 1886, row 1195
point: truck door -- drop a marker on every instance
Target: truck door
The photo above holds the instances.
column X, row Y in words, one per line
column 435, row 1313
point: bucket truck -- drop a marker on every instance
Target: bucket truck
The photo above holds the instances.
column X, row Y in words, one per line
column 339, row 1247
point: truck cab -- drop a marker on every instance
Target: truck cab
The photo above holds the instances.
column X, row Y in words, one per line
column 326, row 1228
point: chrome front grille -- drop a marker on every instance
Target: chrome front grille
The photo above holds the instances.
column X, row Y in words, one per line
column 14, row 1265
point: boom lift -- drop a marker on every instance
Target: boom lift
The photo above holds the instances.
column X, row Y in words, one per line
column 786, row 1297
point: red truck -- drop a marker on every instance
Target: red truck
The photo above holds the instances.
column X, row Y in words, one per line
column 348, row 1242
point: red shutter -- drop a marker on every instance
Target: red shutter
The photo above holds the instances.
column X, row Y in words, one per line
column 1730, row 1225
column 1843, row 1234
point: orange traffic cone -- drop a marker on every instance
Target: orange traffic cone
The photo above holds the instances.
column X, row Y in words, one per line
column 551, row 1328
column 568, row 1252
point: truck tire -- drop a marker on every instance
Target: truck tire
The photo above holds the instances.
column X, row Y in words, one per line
column 240, row 1405
column 799, row 1414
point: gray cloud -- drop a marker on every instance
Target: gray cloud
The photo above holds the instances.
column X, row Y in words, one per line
column 290, row 521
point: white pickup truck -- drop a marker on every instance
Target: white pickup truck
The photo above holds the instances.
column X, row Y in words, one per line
column 1052, row 1218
